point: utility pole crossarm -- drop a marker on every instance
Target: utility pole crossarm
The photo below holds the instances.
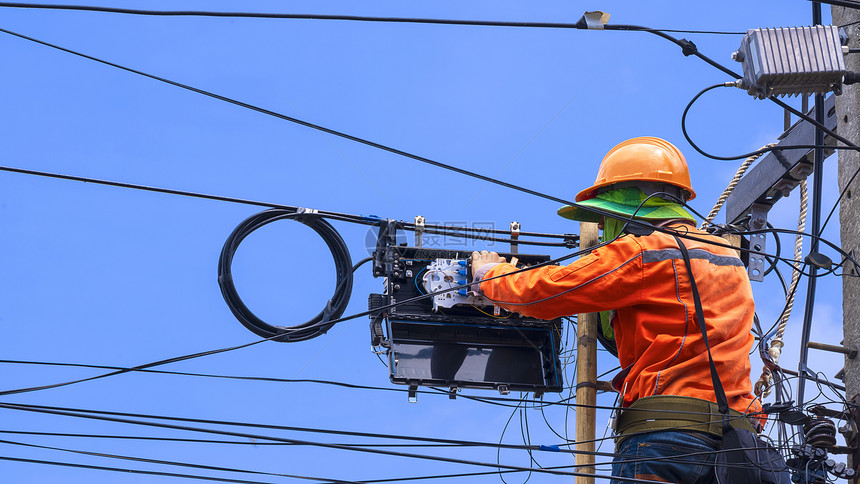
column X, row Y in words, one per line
column 780, row 171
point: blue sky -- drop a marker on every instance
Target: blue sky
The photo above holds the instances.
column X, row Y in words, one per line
column 109, row 276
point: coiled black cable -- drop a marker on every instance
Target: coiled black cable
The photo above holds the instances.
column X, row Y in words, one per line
column 335, row 306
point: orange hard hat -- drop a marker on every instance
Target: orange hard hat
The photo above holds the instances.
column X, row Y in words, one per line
column 641, row 159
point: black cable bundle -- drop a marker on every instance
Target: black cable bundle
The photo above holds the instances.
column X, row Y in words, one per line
column 335, row 306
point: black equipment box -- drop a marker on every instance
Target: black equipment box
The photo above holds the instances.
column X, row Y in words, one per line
column 451, row 338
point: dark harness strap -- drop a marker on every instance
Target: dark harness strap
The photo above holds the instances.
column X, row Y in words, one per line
column 722, row 401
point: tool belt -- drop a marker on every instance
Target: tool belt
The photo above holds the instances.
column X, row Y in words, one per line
column 671, row 412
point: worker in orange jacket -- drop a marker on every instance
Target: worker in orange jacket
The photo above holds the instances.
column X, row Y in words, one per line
column 640, row 285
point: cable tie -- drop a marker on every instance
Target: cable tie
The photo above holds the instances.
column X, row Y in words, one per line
column 306, row 211
column 550, row 448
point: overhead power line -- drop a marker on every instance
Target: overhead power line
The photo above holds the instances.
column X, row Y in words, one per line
column 105, row 416
column 128, row 471
column 687, row 47
column 352, row 18
column 300, row 122
column 126, row 370
column 209, row 375
column 41, row 409
column 86, row 413
column 172, row 463
column 506, row 402
column 342, row 433
column 428, row 228
column 204, row 441
column 181, row 464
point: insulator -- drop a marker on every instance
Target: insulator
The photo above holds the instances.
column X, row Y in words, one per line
column 820, row 432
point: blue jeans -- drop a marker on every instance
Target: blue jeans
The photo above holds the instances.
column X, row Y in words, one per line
column 640, row 457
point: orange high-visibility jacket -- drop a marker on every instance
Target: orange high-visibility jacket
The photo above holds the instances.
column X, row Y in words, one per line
column 645, row 280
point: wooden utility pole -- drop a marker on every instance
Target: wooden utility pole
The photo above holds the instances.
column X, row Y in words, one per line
column 847, row 109
column 586, row 373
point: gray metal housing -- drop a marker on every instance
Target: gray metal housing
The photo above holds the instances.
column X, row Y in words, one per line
column 792, row 60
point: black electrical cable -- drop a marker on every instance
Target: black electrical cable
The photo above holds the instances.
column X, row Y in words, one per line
column 184, row 193
column 42, row 409
column 373, row 144
column 436, row 391
column 128, row 471
column 327, row 214
column 209, row 375
column 364, row 313
column 775, row 260
column 688, row 48
column 126, row 370
column 818, row 238
column 766, row 334
column 222, row 350
column 682, row 46
column 569, row 239
column 171, row 463
column 773, row 268
column 814, row 378
column 848, row 144
column 446, row 476
column 815, row 122
column 203, row 441
column 301, row 122
column 87, row 413
column 839, row 199
column 103, row 415
column 194, row 13
column 501, row 439
column 410, row 438
column 335, row 306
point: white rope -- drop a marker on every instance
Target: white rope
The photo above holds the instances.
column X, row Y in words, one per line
column 765, row 382
column 732, row 184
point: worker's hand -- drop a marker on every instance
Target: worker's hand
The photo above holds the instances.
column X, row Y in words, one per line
column 482, row 258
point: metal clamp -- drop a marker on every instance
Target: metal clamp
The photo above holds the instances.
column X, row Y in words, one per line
column 515, row 236
column 594, row 20
column 419, row 231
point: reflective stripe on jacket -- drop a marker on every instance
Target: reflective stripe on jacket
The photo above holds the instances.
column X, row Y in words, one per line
column 645, row 280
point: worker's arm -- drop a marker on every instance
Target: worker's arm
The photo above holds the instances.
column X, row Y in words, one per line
column 609, row 277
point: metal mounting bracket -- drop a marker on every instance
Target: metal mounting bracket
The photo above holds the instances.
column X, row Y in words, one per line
column 515, row 237
column 758, row 243
column 419, row 231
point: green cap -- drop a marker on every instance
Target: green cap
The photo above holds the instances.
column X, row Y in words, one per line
column 627, row 202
